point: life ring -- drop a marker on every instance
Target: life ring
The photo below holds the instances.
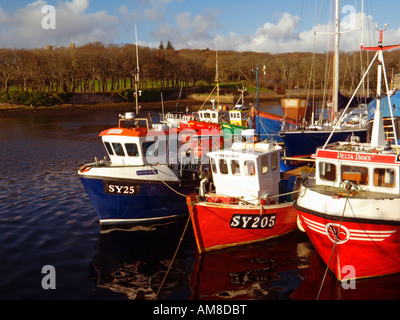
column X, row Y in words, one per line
column 299, row 224
column 85, row 168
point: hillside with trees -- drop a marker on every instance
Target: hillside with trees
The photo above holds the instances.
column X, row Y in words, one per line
column 50, row 75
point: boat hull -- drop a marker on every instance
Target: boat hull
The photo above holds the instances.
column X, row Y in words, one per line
column 269, row 126
column 217, row 225
column 353, row 248
column 302, row 143
column 135, row 201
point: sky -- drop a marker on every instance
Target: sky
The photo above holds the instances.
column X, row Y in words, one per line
column 253, row 25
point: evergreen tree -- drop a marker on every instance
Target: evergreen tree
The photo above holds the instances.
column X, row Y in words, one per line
column 170, row 46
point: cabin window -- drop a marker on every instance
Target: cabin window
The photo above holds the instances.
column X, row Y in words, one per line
column 384, row 177
column 356, row 174
column 213, row 165
column 264, row 164
column 109, row 148
column 132, row 149
column 274, row 161
column 119, row 151
column 249, row 168
column 235, row 168
column 155, row 151
column 327, row 171
column 223, row 166
column 149, row 148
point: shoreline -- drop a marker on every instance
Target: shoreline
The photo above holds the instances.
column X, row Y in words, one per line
column 7, row 110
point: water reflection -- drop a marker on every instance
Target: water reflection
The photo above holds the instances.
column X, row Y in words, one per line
column 134, row 261
column 264, row 271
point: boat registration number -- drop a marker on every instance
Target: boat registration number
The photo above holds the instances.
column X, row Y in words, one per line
column 244, row 221
column 121, row 189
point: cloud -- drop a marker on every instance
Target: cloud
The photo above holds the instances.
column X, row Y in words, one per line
column 158, row 20
column 23, row 29
column 285, row 37
column 190, row 32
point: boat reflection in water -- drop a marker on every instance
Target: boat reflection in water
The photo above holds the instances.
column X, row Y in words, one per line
column 134, row 261
column 381, row 288
column 267, row 270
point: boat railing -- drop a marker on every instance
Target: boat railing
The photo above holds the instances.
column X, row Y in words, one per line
column 128, row 117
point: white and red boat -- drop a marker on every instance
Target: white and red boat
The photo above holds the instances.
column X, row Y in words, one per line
column 350, row 210
column 245, row 206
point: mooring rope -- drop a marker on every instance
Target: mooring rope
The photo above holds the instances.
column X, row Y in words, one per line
column 176, row 251
column 334, row 245
column 167, row 185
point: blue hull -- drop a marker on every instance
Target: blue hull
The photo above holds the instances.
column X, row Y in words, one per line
column 268, row 128
column 148, row 201
column 303, row 143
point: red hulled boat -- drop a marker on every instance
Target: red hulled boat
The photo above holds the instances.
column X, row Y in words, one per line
column 245, row 206
column 350, row 210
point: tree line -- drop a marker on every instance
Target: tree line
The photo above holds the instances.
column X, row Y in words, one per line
column 96, row 67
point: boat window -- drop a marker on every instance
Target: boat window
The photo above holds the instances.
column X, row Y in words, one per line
column 249, row 168
column 119, row 151
column 155, row 151
column 264, row 164
column 213, row 165
column 384, row 177
column 327, row 171
column 148, row 148
column 235, row 168
column 274, row 161
column 132, row 149
column 109, row 148
column 356, row 174
column 223, row 166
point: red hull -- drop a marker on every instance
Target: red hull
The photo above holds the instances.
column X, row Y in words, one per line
column 198, row 126
column 218, row 225
column 362, row 250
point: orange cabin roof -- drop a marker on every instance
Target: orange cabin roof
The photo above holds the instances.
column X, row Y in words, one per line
column 136, row 132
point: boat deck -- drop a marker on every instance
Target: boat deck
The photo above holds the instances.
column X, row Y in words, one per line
column 353, row 193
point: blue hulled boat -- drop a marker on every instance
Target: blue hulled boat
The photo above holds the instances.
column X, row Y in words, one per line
column 145, row 179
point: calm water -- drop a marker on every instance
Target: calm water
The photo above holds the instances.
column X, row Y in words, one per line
column 46, row 218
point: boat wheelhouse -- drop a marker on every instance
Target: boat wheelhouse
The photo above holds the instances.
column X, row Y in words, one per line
column 145, row 177
column 172, row 119
column 245, row 206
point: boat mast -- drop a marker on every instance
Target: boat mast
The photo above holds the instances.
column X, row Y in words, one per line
column 137, row 73
column 337, row 53
column 217, row 72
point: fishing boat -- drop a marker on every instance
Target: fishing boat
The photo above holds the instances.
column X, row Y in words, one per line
column 349, row 211
column 245, row 206
column 208, row 119
column 146, row 178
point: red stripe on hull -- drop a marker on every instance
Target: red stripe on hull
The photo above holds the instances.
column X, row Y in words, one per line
column 218, row 226
column 362, row 250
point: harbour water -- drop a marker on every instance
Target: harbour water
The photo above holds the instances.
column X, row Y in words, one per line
column 46, row 218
